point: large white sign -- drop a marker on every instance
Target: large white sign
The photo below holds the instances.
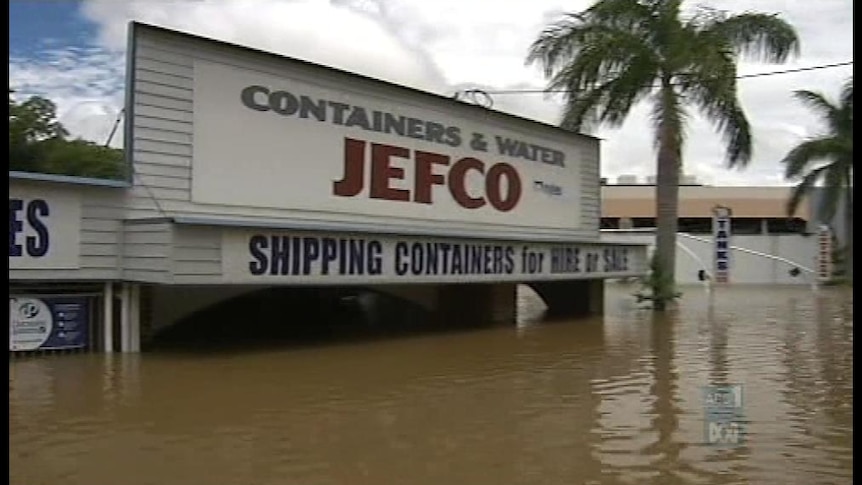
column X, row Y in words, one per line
column 274, row 142
column 339, row 259
column 44, row 228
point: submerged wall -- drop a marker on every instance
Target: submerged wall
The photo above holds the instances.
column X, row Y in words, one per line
column 744, row 268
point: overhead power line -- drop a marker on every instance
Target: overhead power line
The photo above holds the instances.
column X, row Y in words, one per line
column 798, row 69
column 743, row 76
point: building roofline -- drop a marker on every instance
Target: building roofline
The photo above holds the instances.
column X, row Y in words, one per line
column 68, row 179
column 133, row 25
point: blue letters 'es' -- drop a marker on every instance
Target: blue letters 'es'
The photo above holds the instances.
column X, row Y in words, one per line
column 31, row 214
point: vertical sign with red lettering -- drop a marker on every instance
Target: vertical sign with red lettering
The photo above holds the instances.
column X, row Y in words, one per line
column 824, row 253
column 721, row 233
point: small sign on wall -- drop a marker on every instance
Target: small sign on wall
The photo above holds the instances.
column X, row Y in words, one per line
column 721, row 233
column 48, row 323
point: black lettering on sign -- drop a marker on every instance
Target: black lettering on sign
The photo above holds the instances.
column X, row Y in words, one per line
column 289, row 255
column 33, row 215
column 592, row 263
column 565, row 260
column 615, row 259
column 433, row 258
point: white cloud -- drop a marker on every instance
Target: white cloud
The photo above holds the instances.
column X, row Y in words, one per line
column 85, row 83
column 446, row 45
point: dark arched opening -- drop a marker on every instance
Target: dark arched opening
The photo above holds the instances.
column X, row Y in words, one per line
column 568, row 299
column 294, row 315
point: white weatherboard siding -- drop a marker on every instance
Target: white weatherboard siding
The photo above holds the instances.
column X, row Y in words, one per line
column 147, row 249
column 87, row 237
column 159, row 251
column 197, row 254
column 163, row 117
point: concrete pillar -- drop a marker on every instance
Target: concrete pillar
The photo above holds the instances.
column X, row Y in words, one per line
column 130, row 319
column 572, row 299
column 475, row 304
column 125, row 318
column 108, row 318
column 135, row 318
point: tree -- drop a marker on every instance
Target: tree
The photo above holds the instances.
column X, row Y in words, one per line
column 617, row 53
column 30, row 123
column 38, row 143
column 827, row 158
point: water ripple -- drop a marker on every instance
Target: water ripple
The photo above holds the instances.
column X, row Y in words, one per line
column 614, row 401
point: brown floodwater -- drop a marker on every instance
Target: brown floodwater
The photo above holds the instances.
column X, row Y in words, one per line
column 616, row 400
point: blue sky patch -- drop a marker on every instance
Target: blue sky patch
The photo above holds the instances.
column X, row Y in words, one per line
column 37, row 26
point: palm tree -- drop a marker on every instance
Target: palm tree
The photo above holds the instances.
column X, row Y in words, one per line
column 619, row 52
column 835, row 150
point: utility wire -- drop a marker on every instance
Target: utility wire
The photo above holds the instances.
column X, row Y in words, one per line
column 743, row 76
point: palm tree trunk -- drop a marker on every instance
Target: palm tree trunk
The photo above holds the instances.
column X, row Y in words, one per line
column 667, row 196
column 848, row 231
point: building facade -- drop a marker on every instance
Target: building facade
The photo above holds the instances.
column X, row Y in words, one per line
column 768, row 246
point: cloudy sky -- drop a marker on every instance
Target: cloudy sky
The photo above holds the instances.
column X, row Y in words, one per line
column 74, row 53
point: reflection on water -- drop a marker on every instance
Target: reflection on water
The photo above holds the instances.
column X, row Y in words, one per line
column 611, row 401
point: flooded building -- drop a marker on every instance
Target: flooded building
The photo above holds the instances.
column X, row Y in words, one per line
column 768, row 247
column 250, row 171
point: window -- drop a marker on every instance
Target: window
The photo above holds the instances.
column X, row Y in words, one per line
column 626, row 223
column 746, row 225
column 786, row 226
column 643, row 222
column 695, row 225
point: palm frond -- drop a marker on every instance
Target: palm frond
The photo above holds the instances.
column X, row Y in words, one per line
column 847, row 94
column 710, row 83
column 757, row 36
column 608, row 103
column 833, row 188
column 581, row 109
column 830, row 149
column 803, row 189
column 817, row 103
column 622, row 13
column 565, row 40
column 600, row 59
column 605, row 58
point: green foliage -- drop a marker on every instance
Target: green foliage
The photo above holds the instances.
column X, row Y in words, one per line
column 658, row 286
column 839, row 264
column 618, row 53
column 39, row 143
column 827, row 159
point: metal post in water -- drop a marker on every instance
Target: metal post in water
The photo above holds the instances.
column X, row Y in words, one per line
column 108, row 317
